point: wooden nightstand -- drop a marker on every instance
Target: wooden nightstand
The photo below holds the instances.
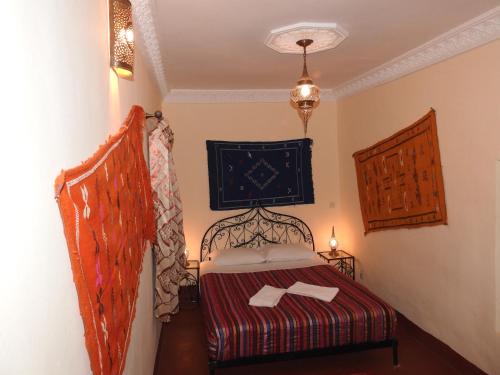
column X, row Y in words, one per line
column 344, row 262
column 189, row 284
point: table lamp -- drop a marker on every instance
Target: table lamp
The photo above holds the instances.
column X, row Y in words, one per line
column 333, row 243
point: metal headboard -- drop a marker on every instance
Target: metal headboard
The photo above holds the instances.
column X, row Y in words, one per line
column 254, row 228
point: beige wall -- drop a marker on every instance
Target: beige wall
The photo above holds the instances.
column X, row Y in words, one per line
column 443, row 277
column 497, row 248
column 193, row 124
column 59, row 101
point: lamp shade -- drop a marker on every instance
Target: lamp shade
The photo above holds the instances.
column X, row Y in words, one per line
column 333, row 240
column 333, row 243
column 121, row 35
column 305, row 95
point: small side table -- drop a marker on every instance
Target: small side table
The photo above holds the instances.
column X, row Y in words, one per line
column 343, row 261
column 189, row 284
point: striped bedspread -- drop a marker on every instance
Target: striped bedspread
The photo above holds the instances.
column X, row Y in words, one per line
column 236, row 330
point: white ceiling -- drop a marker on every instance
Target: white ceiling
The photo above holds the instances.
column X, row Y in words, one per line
column 219, row 44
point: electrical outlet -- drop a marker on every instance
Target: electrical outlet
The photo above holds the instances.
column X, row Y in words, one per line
column 361, row 275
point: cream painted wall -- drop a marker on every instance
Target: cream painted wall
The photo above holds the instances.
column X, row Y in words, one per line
column 193, row 124
column 443, row 277
column 497, row 249
column 59, row 101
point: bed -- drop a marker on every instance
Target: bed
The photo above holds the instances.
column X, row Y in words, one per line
column 298, row 326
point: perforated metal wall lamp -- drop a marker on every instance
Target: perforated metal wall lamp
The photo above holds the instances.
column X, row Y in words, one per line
column 121, row 38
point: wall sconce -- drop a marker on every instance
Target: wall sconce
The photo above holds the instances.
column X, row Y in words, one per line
column 121, row 38
column 333, row 243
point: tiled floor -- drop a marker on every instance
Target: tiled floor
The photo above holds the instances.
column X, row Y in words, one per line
column 182, row 350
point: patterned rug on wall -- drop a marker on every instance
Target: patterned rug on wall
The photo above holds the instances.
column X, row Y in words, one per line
column 248, row 174
column 400, row 183
column 107, row 212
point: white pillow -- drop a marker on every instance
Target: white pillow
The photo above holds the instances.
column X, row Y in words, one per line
column 285, row 252
column 240, row 255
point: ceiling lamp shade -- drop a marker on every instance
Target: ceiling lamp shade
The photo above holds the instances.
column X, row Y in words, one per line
column 305, row 96
column 121, row 35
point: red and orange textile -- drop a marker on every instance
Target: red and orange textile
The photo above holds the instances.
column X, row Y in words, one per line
column 236, row 330
column 400, row 182
column 107, row 212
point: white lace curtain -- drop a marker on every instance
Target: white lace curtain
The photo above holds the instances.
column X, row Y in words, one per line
column 169, row 250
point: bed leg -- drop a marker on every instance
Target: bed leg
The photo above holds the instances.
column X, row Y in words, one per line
column 395, row 356
column 211, row 368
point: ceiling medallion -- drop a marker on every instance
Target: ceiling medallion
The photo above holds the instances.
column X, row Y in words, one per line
column 325, row 36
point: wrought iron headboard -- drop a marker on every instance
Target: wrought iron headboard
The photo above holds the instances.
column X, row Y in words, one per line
column 254, row 228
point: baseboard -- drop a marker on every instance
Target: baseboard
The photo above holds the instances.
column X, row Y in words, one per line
column 455, row 360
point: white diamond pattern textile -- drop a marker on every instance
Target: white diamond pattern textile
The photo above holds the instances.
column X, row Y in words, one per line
column 169, row 250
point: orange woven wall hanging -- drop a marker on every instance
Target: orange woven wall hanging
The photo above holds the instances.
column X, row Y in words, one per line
column 400, row 182
column 107, row 213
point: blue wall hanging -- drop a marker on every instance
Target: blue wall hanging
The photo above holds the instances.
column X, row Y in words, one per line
column 246, row 174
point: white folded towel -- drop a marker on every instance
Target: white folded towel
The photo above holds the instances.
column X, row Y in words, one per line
column 323, row 293
column 268, row 296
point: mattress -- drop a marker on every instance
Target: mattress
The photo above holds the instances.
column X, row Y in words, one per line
column 236, row 330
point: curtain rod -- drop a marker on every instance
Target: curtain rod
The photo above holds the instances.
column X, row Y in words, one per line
column 158, row 115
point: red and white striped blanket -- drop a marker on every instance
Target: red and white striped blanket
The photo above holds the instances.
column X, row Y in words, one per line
column 236, row 330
